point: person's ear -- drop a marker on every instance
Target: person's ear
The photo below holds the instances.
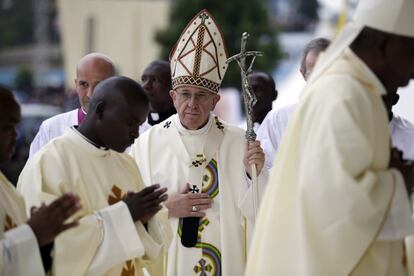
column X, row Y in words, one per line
column 173, row 95
column 99, row 111
column 216, row 98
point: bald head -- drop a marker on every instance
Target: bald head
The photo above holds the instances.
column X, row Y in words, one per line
column 117, row 108
column 91, row 69
column 119, row 89
column 96, row 60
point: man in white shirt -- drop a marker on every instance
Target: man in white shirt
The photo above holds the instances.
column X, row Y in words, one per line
column 271, row 130
column 402, row 130
column 91, row 69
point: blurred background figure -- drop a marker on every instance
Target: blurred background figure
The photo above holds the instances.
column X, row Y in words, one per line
column 271, row 131
column 264, row 88
column 156, row 81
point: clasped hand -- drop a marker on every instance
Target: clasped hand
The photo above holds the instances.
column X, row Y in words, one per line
column 185, row 204
column 144, row 204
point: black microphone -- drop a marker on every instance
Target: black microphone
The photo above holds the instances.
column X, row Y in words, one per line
column 189, row 233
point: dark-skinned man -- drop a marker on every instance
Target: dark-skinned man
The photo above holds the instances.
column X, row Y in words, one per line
column 156, row 81
column 117, row 233
column 264, row 88
column 337, row 202
column 21, row 237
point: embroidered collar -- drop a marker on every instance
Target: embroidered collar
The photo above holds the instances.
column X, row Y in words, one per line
column 75, row 128
column 183, row 131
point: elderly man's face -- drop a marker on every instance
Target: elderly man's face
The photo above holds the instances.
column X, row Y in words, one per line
column 193, row 105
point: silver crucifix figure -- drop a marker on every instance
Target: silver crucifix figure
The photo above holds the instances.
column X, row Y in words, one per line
column 249, row 99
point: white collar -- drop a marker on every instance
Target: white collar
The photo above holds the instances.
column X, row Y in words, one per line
column 184, row 131
column 87, row 139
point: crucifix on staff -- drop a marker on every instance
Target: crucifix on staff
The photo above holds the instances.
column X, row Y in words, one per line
column 249, row 99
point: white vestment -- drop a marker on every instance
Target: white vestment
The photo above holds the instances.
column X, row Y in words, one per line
column 19, row 250
column 330, row 207
column 274, row 125
column 402, row 132
column 53, row 127
column 210, row 160
column 107, row 241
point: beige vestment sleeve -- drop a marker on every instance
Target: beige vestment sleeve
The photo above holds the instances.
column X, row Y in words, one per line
column 20, row 255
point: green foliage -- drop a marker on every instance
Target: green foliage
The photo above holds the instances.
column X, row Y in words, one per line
column 16, row 23
column 233, row 17
column 24, row 79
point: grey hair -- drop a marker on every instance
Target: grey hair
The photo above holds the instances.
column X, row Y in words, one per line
column 315, row 45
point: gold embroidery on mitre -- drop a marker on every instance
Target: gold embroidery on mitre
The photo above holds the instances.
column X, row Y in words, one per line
column 128, row 269
column 116, row 195
column 199, row 57
column 8, row 223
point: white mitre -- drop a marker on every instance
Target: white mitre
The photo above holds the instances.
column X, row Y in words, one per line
column 198, row 58
column 390, row 16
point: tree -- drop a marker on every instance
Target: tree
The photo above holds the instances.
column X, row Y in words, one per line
column 16, row 23
column 233, row 17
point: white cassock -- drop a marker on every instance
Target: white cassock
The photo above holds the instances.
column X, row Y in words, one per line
column 107, row 241
column 243, row 126
column 210, row 160
column 333, row 207
column 402, row 134
column 19, row 249
column 52, row 128
column 271, row 131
